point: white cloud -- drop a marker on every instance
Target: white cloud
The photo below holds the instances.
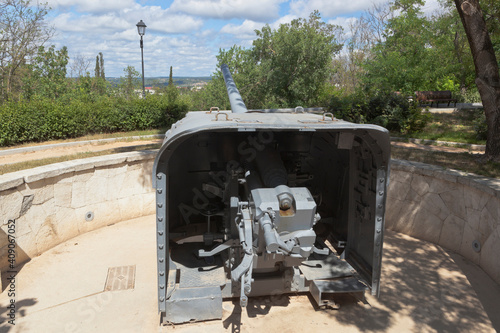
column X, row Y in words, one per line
column 92, row 6
column 187, row 35
column 330, row 8
column 432, row 7
column 244, row 31
column 115, row 35
column 68, row 22
column 256, row 10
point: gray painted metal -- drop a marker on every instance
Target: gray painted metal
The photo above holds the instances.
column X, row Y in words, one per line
column 329, row 268
column 161, row 239
column 320, row 288
column 237, row 104
column 194, row 304
column 228, row 220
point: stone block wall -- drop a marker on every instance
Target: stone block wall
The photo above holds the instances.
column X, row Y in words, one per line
column 54, row 203
column 456, row 210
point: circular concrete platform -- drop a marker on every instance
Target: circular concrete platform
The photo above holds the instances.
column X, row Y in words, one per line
column 424, row 289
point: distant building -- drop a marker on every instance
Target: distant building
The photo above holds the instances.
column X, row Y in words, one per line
column 198, row 85
column 149, row 91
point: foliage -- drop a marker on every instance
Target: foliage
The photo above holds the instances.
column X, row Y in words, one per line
column 130, row 81
column 469, row 96
column 419, row 52
column 285, row 67
column 480, row 127
column 44, row 119
column 23, row 31
column 172, row 92
column 296, row 58
column 390, row 110
column 47, row 74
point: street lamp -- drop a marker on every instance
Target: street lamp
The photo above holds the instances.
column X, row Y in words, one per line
column 141, row 29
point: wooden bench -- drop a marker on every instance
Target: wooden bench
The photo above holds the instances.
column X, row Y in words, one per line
column 435, row 97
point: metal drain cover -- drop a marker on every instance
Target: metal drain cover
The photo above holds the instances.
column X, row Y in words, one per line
column 120, row 278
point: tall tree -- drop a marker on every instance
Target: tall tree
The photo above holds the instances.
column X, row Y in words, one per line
column 97, row 69
column 101, row 66
column 172, row 92
column 170, row 78
column 23, row 30
column 487, row 73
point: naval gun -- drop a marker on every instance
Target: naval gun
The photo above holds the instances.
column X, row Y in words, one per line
column 267, row 202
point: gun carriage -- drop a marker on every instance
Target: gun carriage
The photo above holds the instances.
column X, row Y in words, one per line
column 266, row 202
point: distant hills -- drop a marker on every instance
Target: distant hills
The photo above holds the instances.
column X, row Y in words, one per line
column 180, row 81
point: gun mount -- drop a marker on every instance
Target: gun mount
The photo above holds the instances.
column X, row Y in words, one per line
column 253, row 203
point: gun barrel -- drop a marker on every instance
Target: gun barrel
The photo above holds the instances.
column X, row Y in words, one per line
column 237, row 104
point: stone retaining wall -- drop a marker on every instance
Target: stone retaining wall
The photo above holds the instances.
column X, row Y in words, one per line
column 456, row 210
column 54, row 203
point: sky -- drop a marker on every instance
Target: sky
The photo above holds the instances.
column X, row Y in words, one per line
column 184, row 34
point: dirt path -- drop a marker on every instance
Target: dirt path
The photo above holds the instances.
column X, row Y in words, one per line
column 434, row 148
column 101, row 146
column 63, row 151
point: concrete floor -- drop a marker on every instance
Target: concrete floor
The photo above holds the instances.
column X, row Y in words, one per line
column 424, row 289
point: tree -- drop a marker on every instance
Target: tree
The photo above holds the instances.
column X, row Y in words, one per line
column 79, row 66
column 286, row 67
column 362, row 35
column 130, row 81
column 487, row 73
column 22, row 30
column 97, row 69
column 404, row 60
column 451, row 49
column 296, row 58
column 47, row 77
column 101, row 66
column 172, row 92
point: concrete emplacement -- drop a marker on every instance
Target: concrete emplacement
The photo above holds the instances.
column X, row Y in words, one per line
column 80, row 270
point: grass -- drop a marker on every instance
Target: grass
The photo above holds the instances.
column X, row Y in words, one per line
column 459, row 161
column 98, row 136
column 454, row 127
column 36, row 163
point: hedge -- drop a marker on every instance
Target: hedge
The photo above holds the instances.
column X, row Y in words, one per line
column 46, row 119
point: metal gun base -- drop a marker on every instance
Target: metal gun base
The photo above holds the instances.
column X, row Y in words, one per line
column 200, row 288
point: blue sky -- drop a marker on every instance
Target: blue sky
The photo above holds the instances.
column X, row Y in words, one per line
column 185, row 34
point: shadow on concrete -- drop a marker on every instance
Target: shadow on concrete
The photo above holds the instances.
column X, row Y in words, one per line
column 21, row 258
column 233, row 322
column 420, row 279
column 257, row 306
column 20, row 311
column 487, row 290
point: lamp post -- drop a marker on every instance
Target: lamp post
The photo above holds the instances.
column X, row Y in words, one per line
column 141, row 28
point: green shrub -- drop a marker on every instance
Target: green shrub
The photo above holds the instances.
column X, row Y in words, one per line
column 390, row 110
column 469, row 96
column 46, row 119
column 480, row 126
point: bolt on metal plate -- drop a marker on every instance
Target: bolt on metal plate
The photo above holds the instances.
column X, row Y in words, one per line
column 120, row 278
